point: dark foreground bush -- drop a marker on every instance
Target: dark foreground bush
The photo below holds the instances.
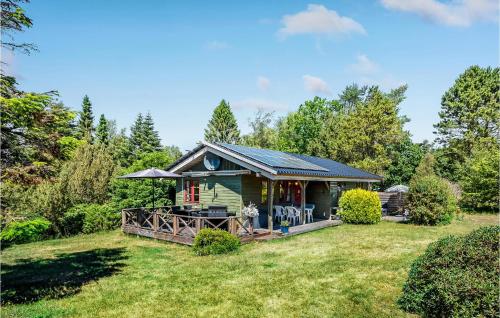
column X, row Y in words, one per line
column 360, row 206
column 210, row 242
column 24, row 231
column 431, row 201
column 456, row 277
column 90, row 218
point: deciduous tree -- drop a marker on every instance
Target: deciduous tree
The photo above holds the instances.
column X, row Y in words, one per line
column 263, row 134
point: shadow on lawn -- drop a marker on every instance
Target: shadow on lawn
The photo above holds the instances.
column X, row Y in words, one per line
column 33, row 279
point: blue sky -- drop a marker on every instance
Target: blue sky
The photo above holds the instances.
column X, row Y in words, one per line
column 178, row 59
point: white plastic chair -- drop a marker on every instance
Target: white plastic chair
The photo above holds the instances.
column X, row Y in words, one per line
column 309, row 209
column 293, row 214
column 280, row 213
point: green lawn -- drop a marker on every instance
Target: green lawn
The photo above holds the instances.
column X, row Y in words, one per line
column 350, row 270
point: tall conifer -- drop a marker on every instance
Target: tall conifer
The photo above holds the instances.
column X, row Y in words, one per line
column 223, row 126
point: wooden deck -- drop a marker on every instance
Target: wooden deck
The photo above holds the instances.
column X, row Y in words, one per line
column 161, row 224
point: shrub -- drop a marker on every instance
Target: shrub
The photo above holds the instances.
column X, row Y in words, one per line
column 480, row 180
column 95, row 218
column 360, row 206
column 431, row 201
column 456, row 277
column 72, row 221
column 17, row 232
column 210, row 242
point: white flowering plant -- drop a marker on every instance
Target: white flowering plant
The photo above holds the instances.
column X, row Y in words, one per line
column 250, row 211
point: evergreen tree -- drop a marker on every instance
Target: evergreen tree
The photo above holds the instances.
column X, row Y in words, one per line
column 136, row 134
column 223, row 126
column 143, row 137
column 469, row 114
column 102, row 131
column 86, row 120
column 152, row 141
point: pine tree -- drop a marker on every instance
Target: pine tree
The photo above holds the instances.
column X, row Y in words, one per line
column 86, row 121
column 136, row 133
column 102, row 131
column 152, row 141
column 223, row 126
column 143, row 137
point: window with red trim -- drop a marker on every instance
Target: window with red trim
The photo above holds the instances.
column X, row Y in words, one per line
column 191, row 191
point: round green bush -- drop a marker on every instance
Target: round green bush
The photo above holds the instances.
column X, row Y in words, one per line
column 211, row 242
column 431, row 201
column 457, row 276
column 18, row 232
column 360, row 206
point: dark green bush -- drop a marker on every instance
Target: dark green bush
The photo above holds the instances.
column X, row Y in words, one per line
column 95, row 218
column 360, row 206
column 431, row 201
column 457, row 276
column 211, row 242
column 72, row 221
column 17, row 232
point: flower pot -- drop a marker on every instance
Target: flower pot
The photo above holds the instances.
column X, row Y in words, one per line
column 284, row 229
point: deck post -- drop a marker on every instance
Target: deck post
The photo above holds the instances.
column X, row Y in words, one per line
column 197, row 225
column 156, row 222
column 176, row 225
column 303, row 185
column 270, row 201
column 124, row 218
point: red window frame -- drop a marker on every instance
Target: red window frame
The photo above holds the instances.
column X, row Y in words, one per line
column 191, row 191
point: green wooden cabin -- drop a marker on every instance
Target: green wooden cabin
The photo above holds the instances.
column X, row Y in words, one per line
column 235, row 176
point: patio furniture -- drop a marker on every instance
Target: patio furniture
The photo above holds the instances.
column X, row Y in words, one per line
column 280, row 213
column 217, row 208
column 309, row 209
column 292, row 214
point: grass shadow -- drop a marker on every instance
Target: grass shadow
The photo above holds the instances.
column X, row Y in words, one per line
column 30, row 280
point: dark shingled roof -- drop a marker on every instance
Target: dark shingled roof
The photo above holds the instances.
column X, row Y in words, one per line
column 295, row 164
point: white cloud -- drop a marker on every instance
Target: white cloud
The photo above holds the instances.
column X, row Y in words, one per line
column 263, row 83
column 368, row 72
column 317, row 19
column 386, row 82
column 316, row 85
column 217, row 45
column 364, row 65
column 453, row 13
column 253, row 103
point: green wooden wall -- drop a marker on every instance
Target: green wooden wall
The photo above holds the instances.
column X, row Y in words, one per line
column 223, row 190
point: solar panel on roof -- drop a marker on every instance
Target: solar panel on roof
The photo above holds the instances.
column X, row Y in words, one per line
column 275, row 159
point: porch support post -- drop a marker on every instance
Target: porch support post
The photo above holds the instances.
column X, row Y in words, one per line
column 270, row 201
column 369, row 186
column 303, row 185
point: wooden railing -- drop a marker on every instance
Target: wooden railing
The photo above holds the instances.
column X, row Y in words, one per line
column 162, row 223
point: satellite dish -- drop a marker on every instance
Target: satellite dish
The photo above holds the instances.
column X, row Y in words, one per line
column 211, row 161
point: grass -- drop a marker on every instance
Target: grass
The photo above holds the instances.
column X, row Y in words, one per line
column 346, row 271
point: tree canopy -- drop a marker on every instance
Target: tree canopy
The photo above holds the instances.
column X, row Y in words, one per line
column 469, row 114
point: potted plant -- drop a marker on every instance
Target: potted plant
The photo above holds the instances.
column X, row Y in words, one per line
column 284, row 226
column 251, row 212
